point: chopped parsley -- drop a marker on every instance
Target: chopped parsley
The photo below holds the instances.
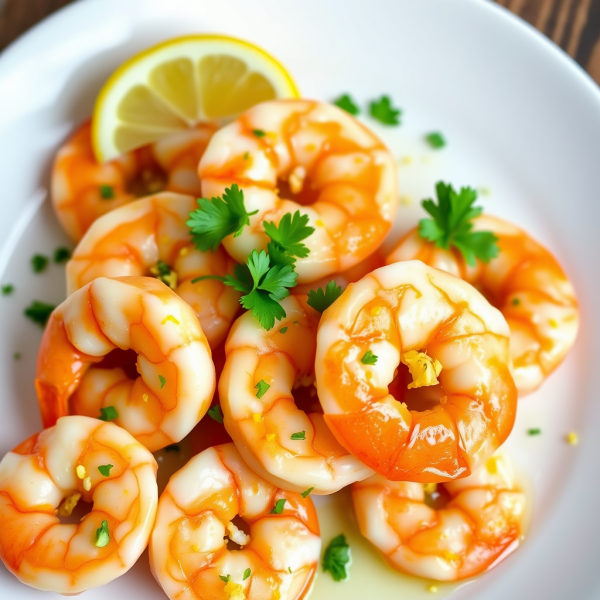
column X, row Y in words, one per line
column 290, row 569
column 39, row 312
column 321, row 300
column 299, row 435
column 163, row 272
column 515, row 302
column 246, row 155
column 61, row 255
column 215, row 413
column 283, row 330
column 259, row 133
column 225, row 578
column 172, row 448
column 337, row 558
column 217, row 218
column 451, row 225
column 105, row 469
column 435, row 139
column 278, row 508
column 306, row 493
column 246, row 574
column 162, row 381
column 107, row 192
column 346, row 103
column 39, row 262
column 17, row 356
column 369, row 358
column 534, row 431
column 8, row 289
column 383, row 111
column 261, row 387
column 108, row 414
column 102, row 535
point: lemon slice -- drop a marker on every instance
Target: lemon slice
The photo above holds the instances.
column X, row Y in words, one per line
column 179, row 83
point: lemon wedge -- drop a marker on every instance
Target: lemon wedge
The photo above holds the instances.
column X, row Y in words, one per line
column 179, row 83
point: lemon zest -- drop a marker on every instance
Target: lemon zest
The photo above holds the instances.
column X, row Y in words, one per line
column 170, row 318
column 433, row 589
column 430, row 488
column 81, row 472
column 258, row 418
column 423, row 368
column 375, row 311
column 234, row 591
column 572, row 438
column 270, row 437
column 87, row 484
column 145, row 397
column 184, row 251
column 491, row 465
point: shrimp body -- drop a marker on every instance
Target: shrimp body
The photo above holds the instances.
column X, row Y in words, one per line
column 189, row 555
column 176, row 377
column 48, row 474
column 411, row 315
column 337, row 171
column 528, row 286
column 481, row 523
column 83, row 189
column 286, row 442
column 138, row 238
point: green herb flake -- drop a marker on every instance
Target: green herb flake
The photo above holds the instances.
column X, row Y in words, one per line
column 515, row 302
column 8, row 289
column 39, row 312
column 435, row 139
column 39, row 262
column 172, row 448
column 299, row 435
column 345, row 102
column 283, row 330
column 534, row 431
column 61, row 255
column 108, row 414
column 261, row 387
column 246, row 155
column 105, row 470
column 17, row 356
column 278, row 508
column 321, row 300
column 225, row 578
column 246, row 574
column 383, row 111
column 337, row 558
column 215, row 413
column 107, row 192
column 306, row 493
column 369, row 358
column 259, row 133
column 162, row 381
column 290, row 569
column 102, row 535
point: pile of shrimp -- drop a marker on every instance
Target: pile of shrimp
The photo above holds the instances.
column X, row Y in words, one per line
column 400, row 382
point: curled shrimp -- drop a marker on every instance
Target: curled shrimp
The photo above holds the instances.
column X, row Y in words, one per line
column 528, row 286
column 83, row 189
column 410, row 316
column 176, row 375
column 271, row 407
column 46, row 476
column 277, row 540
column 149, row 237
column 290, row 155
column 458, row 530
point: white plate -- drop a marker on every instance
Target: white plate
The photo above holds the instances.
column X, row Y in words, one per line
column 521, row 119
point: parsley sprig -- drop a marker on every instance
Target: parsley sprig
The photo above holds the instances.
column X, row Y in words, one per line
column 337, row 558
column 321, row 300
column 287, row 237
column 383, row 111
column 452, row 226
column 219, row 217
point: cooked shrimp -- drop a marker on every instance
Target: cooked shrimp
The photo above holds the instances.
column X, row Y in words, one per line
column 190, row 555
column 528, row 286
column 436, row 325
column 337, row 172
column 176, row 375
column 149, row 236
column 46, row 476
column 82, row 189
column 463, row 529
column 271, row 407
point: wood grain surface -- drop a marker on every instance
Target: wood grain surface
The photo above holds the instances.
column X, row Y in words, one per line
column 572, row 24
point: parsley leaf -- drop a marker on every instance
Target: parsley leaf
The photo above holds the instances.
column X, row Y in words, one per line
column 217, row 218
column 225, row 578
column 247, row 573
column 299, row 435
column 107, row 192
column 346, row 103
column 321, row 300
column 369, row 358
column 39, row 262
column 435, row 139
column 452, row 224
column 162, row 381
column 108, row 414
column 102, row 535
column 215, row 413
column 286, row 238
column 61, row 255
column 8, row 289
column 278, row 508
column 337, row 558
column 307, row 492
column 105, row 469
column 39, row 312
column 261, row 387
column 283, row 330
column 259, row 133
column 383, row 111
column 534, row 431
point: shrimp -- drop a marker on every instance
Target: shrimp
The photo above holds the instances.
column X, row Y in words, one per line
column 149, row 236
column 408, row 315
column 270, row 405
column 46, row 476
column 528, row 286
column 276, row 534
column 83, row 189
column 176, row 375
column 466, row 527
column 290, row 155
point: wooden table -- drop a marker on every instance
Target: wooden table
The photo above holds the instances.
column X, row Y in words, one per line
column 572, row 24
